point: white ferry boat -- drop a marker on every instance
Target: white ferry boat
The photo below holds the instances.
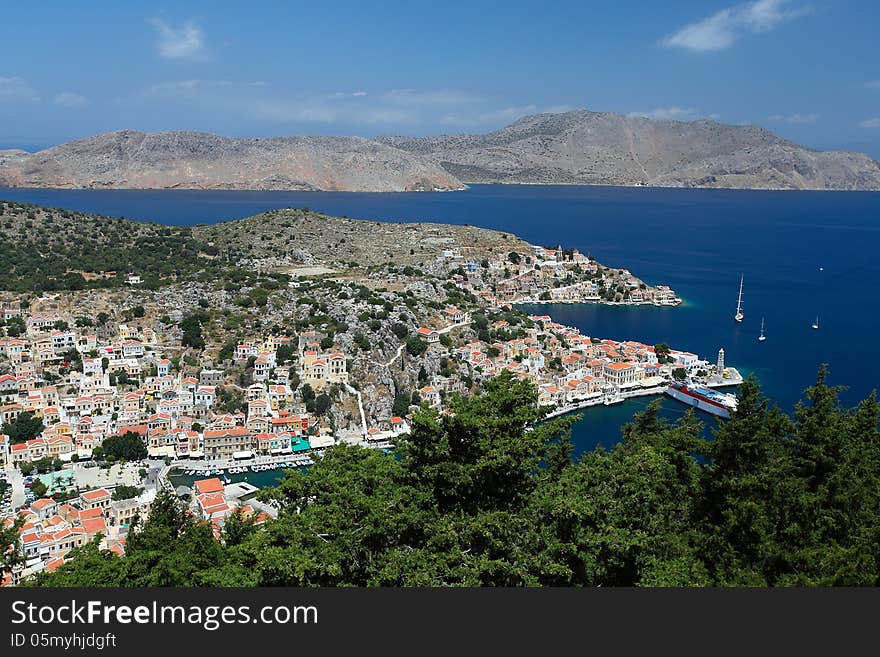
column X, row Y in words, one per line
column 711, row 401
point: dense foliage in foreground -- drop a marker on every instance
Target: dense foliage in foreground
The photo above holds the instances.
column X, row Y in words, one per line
column 473, row 499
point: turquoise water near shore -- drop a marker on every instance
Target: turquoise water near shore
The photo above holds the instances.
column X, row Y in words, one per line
column 696, row 241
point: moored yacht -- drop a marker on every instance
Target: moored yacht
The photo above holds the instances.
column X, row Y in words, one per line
column 738, row 317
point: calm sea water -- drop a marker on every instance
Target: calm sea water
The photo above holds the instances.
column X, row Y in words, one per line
column 697, row 241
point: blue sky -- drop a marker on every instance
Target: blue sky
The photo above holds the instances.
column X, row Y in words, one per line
column 807, row 69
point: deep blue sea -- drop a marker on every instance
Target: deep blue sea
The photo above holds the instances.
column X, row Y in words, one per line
column 696, row 241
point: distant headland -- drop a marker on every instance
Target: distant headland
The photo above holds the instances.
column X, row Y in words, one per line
column 579, row 147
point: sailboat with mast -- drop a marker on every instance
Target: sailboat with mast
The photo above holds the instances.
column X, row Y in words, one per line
column 816, row 323
column 762, row 337
column 739, row 302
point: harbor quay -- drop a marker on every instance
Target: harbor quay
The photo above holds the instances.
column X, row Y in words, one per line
column 733, row 378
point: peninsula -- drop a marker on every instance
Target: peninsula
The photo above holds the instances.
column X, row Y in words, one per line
column 257, row 344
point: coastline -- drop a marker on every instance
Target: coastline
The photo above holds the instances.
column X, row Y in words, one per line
column 694, row 187
column 592, row 302
column 466, row 185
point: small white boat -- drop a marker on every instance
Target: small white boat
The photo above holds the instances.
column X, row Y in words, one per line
column 816, row 323
column 738, row 317
column 762, row 337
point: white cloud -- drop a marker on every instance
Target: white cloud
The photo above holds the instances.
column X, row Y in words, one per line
column 870, row 123
column 70, row 99
column 796, row 118
column 186, row 41
column 14, row 89
column 873, row 84
column 722, row 29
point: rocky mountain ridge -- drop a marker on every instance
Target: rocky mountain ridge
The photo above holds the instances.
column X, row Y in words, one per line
column 193, row 160
column 604, row 148
column 579, row 147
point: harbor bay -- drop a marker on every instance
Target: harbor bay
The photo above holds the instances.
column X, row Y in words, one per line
column 800, row 254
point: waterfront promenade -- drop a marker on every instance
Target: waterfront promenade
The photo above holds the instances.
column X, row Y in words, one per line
column 224, row 464
column 734, row 378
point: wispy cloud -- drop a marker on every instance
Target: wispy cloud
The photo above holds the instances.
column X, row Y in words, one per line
column 500, row 116
column 722, row 29
column 559, row 109
column 507, row 114
column 306, row 109
column 674, row 113
column 796, row 118
column 190, row 87
column 873, row 84
column 870, row 123
column 384, row 109
column 186, row 41
column 429, row 98
column 71, row 100
column 14, row 89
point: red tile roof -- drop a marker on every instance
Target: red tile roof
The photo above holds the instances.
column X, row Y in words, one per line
column 213, row 485
column 94, row 525
column 95, row 495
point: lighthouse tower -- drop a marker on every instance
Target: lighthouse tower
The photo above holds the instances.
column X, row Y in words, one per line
column 720, row 365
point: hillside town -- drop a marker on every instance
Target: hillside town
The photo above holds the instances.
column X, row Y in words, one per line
column 84, row 395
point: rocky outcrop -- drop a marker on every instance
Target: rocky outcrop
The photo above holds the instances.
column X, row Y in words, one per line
column 280, row 238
